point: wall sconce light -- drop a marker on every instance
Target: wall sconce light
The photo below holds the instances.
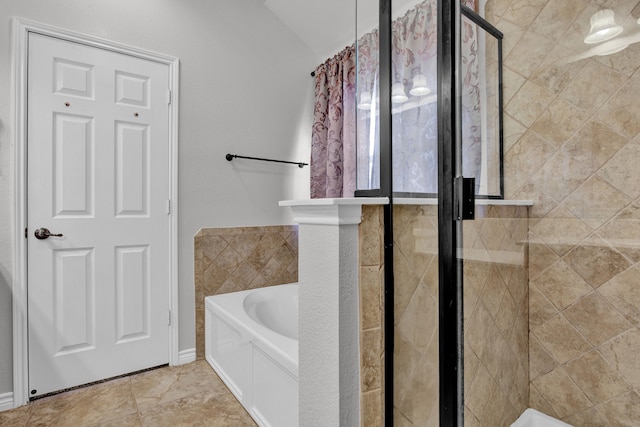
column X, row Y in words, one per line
column 420, row 86
column 365, row 101
column 603, row 27
column 611, row 50
column 397, row 93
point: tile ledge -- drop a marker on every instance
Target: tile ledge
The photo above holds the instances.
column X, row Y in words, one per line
column 396, row 200
column 483, row 202
column 347, row 201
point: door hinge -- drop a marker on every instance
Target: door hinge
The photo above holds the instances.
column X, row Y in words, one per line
column 168, row 206
column 26, row 234
column 169, row 317
column 168, row 96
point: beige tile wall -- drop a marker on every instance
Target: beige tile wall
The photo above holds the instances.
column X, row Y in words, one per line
column 416, row 316
column 371, row 316
column 573, row 146
column 236, row 259
column 496, row 315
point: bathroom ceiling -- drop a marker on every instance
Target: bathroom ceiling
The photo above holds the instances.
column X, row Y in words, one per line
column 328, row 26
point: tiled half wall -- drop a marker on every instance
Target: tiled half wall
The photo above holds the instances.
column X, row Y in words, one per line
column 371, row 258
column 496, row 305
column 240, row 258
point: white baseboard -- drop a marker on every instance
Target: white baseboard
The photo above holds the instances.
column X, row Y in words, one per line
column 186, row 356
column 6, row 401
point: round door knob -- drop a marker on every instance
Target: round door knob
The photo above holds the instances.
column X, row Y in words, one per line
column 43, row 233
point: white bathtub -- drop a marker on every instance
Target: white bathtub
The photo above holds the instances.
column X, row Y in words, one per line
column 251, row 341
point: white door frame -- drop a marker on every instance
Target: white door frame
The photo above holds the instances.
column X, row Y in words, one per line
column 20, row 32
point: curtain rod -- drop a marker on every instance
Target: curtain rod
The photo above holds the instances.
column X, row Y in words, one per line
column 230, row 157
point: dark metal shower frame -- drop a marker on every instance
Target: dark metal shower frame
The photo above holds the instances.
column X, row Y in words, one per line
column 450, row 366
column 499, row 36
column 451, row 343
column 386, row 171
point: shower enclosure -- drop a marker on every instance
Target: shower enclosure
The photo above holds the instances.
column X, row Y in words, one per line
column 534, row 302
column 429, row 112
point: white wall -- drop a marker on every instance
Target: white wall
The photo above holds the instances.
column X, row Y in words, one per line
column 245, row 88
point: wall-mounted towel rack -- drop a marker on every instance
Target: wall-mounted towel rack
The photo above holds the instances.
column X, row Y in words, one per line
column 230, row 157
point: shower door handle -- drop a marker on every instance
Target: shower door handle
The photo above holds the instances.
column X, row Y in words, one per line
column 465, row 194
column 43, row 233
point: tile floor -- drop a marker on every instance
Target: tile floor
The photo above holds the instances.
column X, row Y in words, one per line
column 187, row 395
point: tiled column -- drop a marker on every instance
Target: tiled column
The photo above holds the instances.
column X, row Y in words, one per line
column 328, row 364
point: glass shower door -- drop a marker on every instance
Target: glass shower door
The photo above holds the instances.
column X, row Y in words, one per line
column 492, row 249
column 414, row 124
column 441, row 130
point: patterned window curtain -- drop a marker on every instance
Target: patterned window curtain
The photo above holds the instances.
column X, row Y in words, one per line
column 333, row 154
column 414, row 122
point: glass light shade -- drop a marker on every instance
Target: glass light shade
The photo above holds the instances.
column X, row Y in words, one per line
column 365, row 101
column 603, row 27
column 612, row 50
column 397, row 93
column 420, row 86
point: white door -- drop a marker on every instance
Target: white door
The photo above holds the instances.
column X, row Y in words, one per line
column 98, row 174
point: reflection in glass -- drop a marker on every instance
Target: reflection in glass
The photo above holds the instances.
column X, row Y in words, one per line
column 481, row 110
column 414, row 103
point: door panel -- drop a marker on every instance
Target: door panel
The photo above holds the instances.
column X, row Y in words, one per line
column 132, row 169
column 73, row 300
column 132, row 89
column 98, row 173
column 132, row 287
column 73, row 169
column 73, row 78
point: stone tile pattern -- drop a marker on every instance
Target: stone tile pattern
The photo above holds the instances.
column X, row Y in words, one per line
column 241, row 258
column 496, row 315
column 415, row 316
column 572, row 145
column 187, row 395
column 371, row 252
